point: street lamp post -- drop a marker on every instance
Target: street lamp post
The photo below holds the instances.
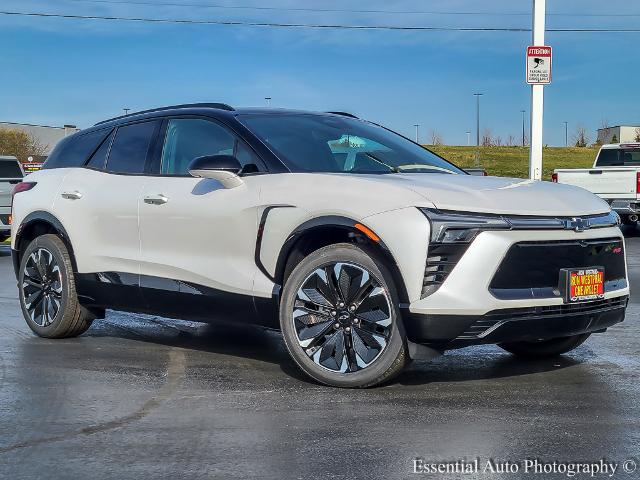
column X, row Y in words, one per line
column 417, row 125
column 268, row 99
column 566, row 134
column 523, row 122
column 468, row 138
column 477, row 95
column 126, row 111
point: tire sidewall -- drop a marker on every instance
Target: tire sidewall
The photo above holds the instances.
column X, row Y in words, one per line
column 52, row 244
column 396, row 344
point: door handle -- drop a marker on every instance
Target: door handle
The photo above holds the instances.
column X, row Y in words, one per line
column 156, row 199
column 71, row 195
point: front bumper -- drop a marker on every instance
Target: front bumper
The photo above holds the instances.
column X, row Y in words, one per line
column 518, row 324
column 465, row 301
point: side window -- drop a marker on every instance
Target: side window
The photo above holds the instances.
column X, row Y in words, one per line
column 99, row 158
column 75, row 150
column 188, row 138
column 130, row 147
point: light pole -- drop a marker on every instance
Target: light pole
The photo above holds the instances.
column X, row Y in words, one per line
column 417, row 125
column 566, row 134
column 477, row 95
column 537, row 96
column 468, row 138
column 268, row 99
column 126, row 111
column 523, row 122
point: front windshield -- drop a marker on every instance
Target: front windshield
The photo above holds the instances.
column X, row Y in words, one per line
column 329, row 143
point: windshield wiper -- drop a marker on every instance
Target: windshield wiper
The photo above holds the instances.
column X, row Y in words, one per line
column 377, row 160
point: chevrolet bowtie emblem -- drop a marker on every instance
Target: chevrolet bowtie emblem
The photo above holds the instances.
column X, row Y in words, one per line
column 577, row 224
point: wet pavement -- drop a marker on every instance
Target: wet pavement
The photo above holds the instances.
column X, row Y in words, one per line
column 147, row 397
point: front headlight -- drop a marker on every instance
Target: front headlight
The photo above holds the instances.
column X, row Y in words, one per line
column 447, row 227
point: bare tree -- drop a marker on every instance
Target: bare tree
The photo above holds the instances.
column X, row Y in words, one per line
column 497, row 141
column 511, row 140
column 20, row 144
column 436, row 138
column 637, row 132
column 581, row 137
column 605, row 129
column 487, row 138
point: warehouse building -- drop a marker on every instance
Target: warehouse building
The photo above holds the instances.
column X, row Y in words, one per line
column 46, row 136
column 619, row 134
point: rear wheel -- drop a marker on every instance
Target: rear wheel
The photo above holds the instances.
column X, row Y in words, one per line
column 545, row 348
column 340, row 320
column 47, row 290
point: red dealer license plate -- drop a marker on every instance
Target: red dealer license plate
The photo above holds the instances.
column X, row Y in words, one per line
column 582, row 284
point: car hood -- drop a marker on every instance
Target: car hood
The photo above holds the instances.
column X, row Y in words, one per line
column 510, row 196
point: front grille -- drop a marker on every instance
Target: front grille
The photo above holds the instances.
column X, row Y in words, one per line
column 495, row 317
column 4, row 219
column 536, row 265
column 440, row 262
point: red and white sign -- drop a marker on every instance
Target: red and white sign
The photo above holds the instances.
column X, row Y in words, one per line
column 538, row 65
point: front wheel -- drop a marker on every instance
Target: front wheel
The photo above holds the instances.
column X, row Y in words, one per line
column 47, row 290
column 340, row 320
column 545, row 348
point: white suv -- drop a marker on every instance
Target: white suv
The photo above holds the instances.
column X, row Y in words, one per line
column 363, row 247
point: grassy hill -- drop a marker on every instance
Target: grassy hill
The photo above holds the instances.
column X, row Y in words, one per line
column 514, row 161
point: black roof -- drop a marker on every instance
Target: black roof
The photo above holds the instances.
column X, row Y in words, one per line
column 219, row 108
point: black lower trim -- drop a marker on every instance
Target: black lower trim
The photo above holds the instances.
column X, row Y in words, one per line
column 507, row 325
column 15, row 259
column 172, row 298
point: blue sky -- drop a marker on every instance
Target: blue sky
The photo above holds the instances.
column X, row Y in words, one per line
column 57, row 71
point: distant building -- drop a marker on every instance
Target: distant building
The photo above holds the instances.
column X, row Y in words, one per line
column 47, row 136
column 619, row 134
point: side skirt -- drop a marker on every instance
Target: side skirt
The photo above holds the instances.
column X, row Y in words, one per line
column 173, row 299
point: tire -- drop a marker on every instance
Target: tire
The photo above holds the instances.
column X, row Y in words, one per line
column 46, row 265
column 626, row 221
column 545, row 348
column 354, row 345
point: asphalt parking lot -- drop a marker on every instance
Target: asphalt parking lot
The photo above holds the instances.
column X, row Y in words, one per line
column 147, row 397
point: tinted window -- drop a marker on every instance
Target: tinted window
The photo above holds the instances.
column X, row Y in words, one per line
column 99, row 158
column 75, row 150
column 619, row 157
column 130, row 147
column 325, row 143
column 189, row 138
column 10, row 169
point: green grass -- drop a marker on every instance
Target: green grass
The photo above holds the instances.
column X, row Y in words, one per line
column 514, row 161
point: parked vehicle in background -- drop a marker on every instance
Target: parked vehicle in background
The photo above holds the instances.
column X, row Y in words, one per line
column 365, row 248
column 11, row 173
column 615, row 177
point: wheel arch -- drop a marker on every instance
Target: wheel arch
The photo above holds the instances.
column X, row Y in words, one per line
column 327, row 230
column 34, row 225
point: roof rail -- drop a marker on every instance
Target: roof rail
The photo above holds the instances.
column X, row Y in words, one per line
column 344, row 114
column 219, row 106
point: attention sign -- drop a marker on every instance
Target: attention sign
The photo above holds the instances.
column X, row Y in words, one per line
column 538, row 65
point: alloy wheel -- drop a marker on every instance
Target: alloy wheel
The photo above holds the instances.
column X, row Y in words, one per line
column 342, row 317
column 42, row 287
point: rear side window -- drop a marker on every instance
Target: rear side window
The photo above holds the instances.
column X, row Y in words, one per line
column 99, row 158
column 9, row 168
column 130, row 147
column 619, row 157
column 74, row 151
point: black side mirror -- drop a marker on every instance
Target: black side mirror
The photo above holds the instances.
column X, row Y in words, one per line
column 224, row 168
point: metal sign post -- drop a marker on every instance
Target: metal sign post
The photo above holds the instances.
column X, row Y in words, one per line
column 537, row 88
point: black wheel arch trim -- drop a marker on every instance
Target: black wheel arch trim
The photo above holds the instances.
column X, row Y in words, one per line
column 40, row 216
column 317, row 223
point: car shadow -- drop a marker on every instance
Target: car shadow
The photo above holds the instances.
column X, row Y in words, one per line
column 266, row 345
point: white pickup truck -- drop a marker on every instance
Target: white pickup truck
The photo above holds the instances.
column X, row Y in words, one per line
column 615, row 177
